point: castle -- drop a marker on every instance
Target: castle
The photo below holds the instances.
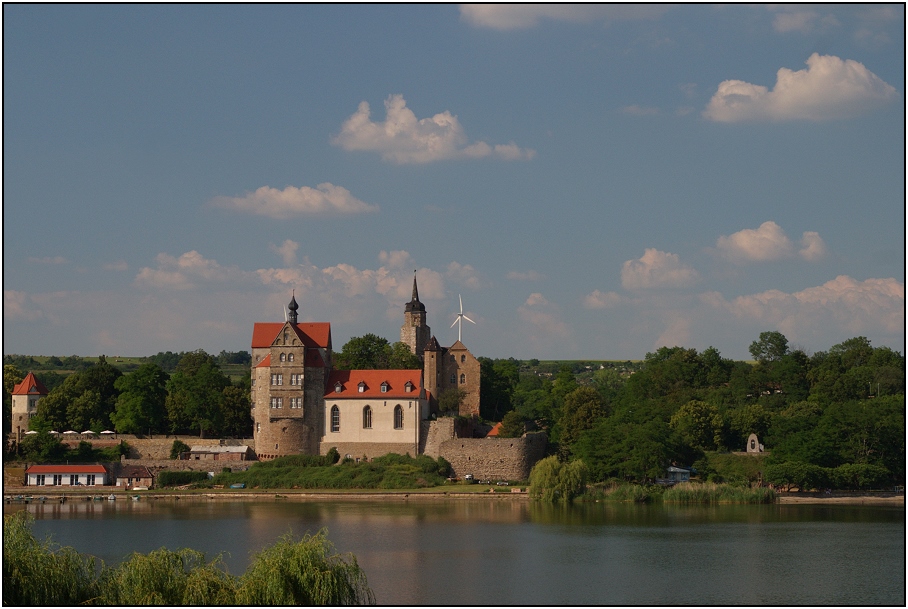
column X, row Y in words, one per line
column 302, row 405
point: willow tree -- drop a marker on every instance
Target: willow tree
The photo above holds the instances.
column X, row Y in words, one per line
column 304, row 572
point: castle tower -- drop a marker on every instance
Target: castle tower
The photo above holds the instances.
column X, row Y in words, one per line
column 25, row 398
column 415, row 333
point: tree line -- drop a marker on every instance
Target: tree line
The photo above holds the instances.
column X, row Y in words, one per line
column 834, row 418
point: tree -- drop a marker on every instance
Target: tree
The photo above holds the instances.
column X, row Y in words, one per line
column 512, row 425
column 450, row 400
column 237, row 409
column 42, row 447
column 770, row 347
column 581, row 410
column 196, row 395
column 141, row 403
column 554, row 481
column 698, row 424
column 401, row 358
column 12, row 376
column 369, row 352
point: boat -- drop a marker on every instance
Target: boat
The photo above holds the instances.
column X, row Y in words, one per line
column 238, row 485
column 111, row 497
column 135, row 497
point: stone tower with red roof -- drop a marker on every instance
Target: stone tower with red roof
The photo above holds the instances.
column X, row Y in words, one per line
column 26, row 396
column 415, row 333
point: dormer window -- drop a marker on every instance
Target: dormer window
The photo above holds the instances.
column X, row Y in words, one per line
column 408, row 387
column 338, row 387
column 384, row 387
column 362, row 387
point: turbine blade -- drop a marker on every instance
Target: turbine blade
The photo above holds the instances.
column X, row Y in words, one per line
column 461, row 303
column 469, row 320
column 455, row 322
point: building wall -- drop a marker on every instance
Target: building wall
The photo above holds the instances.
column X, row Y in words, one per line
column 494, row 458
column 382, row 431
column 24, row 408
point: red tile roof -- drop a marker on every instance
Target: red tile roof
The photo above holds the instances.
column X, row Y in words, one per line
column 265, row 362
column 310, row 334
column 30, row 385
column 66, row 469
column 495, row 431
column 373, row 379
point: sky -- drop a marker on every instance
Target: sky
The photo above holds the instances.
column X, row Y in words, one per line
column 594, row 181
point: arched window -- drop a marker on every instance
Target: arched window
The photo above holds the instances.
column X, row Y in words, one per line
column 290, row 357
column 335, row 419
column 463, row 379
column 398, row 417
column 463, row 358
column 367, row 417
column 283, row 357
column 454, row 379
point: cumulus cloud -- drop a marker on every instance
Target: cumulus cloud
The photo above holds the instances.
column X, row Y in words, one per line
column 656, row 269
column 324, row 200
column 767, row 243
column 830, row 88
column 859, row 307
column 402, row 138
column 19, row 306
column 187, row 272
column 602, row 300
column 522, row 16
column 287, row 251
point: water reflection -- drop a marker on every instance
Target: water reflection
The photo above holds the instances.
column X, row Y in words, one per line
column 435, row 552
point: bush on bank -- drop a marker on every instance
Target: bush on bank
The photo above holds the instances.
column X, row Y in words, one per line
column 291, row 572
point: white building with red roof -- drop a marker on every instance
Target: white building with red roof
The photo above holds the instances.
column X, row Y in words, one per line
column 26, row 396
column 66, row 475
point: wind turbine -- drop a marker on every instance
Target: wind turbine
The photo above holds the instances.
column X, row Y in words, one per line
column 459, row 320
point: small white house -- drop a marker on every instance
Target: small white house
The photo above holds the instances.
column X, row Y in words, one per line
column 678, row 474
column 66, row 475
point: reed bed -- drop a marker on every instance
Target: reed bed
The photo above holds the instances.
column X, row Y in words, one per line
column 717, row 493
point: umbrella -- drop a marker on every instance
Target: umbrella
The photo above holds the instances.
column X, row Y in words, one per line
column 30, row 432
column 70, row 431
column 108, row 431
column 55, row 432
column 88, row 432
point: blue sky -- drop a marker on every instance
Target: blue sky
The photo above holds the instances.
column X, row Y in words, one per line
column 595, row 181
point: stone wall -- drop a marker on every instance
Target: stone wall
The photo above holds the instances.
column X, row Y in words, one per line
column 494, row 458
column 154, row 447
column 368, row 450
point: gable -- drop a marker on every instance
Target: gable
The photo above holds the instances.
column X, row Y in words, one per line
column 315, row 335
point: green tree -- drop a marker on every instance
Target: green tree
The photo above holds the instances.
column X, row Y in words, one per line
column 554, row 481
column 698, row 424
column 369, row 352
column 237, row 409
column 450, row 400
column 12, row 376
column 581, row 410
column 177, row 448
column 770, row 347
column 195, row 399
column 401, row 358
column 42, row 447
column 513, row 425
column 497, row 379
column 141, row 403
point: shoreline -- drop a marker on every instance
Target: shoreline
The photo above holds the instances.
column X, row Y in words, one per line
column 120, row 494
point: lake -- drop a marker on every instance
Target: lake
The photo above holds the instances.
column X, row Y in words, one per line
column 502, row 551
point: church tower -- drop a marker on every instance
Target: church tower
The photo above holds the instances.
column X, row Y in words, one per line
column 415, row 333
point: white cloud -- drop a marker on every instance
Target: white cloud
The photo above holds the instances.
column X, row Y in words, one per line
column 525, row 276
column 186, row 272
column 767, row 243
column 677, row 331
column 402, row 138
column 287, row 251
column 324, row 200
column 656, row 269
column 522, row 16
column 463, row 274
column 829, row 88
column 603, row 300
column 858, row 307
column 19, row 306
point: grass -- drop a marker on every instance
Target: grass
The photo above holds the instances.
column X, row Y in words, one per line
column 717, row 493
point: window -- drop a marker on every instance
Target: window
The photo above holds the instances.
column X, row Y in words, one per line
column 277, row 379
column 296, row 379
column 286, row 337
column 398, row 417
column 338, row 387
column 39, row 480
column 408, row 387
column 283, row 357
column 290, row 357
column 253, row 382
column 90, row 479
column 335, row 419
column 463, row 379
column 296, row 402
column 277, row 402
column 258, row 428
column 362, row 387
column 453, row 379
column 384, row 387
column 367, row 417
column 58, row 479
column 73, row 479
column 463, row 358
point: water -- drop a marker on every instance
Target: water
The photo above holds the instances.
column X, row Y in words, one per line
column 512, row 552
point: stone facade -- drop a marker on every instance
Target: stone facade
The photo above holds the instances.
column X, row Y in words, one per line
column 415, row 332
column 494, row 458
column 25, row 398
column 453, row 368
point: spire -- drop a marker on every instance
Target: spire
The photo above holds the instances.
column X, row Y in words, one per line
column 292, row 307
column 414, row 304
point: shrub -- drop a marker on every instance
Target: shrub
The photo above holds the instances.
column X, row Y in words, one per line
column 178, row 447
column 551, row 480
column 717, row 493
column 179, row 478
